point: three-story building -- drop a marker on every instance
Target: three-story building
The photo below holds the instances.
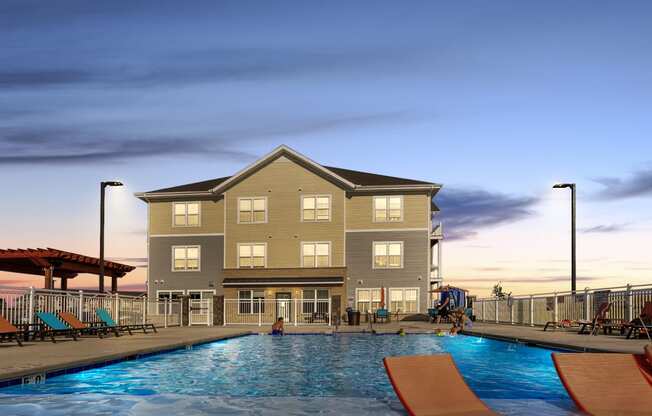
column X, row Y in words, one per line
column 286, row 228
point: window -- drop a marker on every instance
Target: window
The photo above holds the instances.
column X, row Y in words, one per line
column 388, row 255
column 186, row 214
column 251, row 301
column 315, row 301
column 368, row 299
column 316, row 208
column 252, row 210
column 251, row 255
column 185, row 258
column 388, row 208
column 315, row 254
column 404, row 300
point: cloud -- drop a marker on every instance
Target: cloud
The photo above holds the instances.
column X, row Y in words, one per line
column 536, row 279
column 207, row 65
column 128, row 259
column 637, row 184
column 30, row 145
column 604, row 228
column 464, row 212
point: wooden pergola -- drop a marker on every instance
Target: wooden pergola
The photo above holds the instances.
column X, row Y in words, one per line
column 51, row 263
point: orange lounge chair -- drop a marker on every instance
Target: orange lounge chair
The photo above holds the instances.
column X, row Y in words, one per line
column 72, row 321
column 9, row 331
column 606, row 384
column 412, row 378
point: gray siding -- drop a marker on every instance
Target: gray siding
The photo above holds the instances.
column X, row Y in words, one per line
column 359, row 262
column 160, row 264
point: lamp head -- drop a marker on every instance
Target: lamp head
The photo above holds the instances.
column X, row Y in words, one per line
column 112, row 183
column 563, row 185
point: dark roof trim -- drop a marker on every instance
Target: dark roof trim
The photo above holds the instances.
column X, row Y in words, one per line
column 352, row 180
column 283, row 281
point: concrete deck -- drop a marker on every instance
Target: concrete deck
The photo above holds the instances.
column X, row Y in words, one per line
column 44, row 356
column 38, row 357
column 568, row 339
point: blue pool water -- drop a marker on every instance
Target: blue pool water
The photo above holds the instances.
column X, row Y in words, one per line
column 322, row 368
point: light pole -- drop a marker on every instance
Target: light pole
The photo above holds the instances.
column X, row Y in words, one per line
column 573, row 230
column 103, row 186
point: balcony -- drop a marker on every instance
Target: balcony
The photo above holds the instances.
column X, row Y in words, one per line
column 313, row 276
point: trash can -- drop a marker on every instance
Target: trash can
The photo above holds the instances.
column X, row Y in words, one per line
column 353, row 316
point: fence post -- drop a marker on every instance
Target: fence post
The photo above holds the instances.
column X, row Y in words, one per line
column 31, row 306
column 531, row 310
column 81, row 306
column 224, row 320
column 496, row 311
column 555, row 313
column 260, row 315
column 330, row 318
column 483, row 317
column 511, row 313
column 117, row 309
column 587, row 304
column 181, row 311
column 165, row 313
column 296, row 306
column 628, row 305
column 144, row 300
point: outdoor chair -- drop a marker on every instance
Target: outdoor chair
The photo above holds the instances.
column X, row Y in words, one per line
column 598, row 321
column 52, row 327
column 86, row 328
column 106, row 318
column 382, row 315
column 606, row 384
column 8, row 331
column 412, row 379
column 642, row 324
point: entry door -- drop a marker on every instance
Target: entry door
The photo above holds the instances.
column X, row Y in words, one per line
column 284, row 306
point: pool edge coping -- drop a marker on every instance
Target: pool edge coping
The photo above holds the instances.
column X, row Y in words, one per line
column 12, row 379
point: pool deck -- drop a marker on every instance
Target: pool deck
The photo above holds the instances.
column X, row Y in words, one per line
column 39, row 357
column 565, row 339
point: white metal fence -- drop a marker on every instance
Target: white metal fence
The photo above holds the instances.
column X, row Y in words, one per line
column 538, row 309
column 267, row 311
column 20, row 305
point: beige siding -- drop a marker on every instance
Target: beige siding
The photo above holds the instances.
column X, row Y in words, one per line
column 283, row 182
column 211, row 218
column 359, row 213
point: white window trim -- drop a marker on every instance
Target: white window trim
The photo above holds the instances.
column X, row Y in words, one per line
column 169, row 291
column 186, row 225
column 389, row 302
column 186, row 246
column 359, row 289
column 251, row 301
column 330, row 206
column 330, row 253
column 252, row 253
column 213, row 291
column 373, row 255
column 252, row 209
column 373, row 209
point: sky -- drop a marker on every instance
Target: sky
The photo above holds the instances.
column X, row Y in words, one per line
column 495, row 100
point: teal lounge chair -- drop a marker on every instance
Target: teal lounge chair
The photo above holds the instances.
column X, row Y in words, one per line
column 382, row 314
column 52, row 327
column 105, row 317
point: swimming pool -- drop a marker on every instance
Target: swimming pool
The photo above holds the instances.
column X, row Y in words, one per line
column 296, row 374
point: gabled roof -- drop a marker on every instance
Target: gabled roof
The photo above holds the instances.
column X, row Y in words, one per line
column 346, row 178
